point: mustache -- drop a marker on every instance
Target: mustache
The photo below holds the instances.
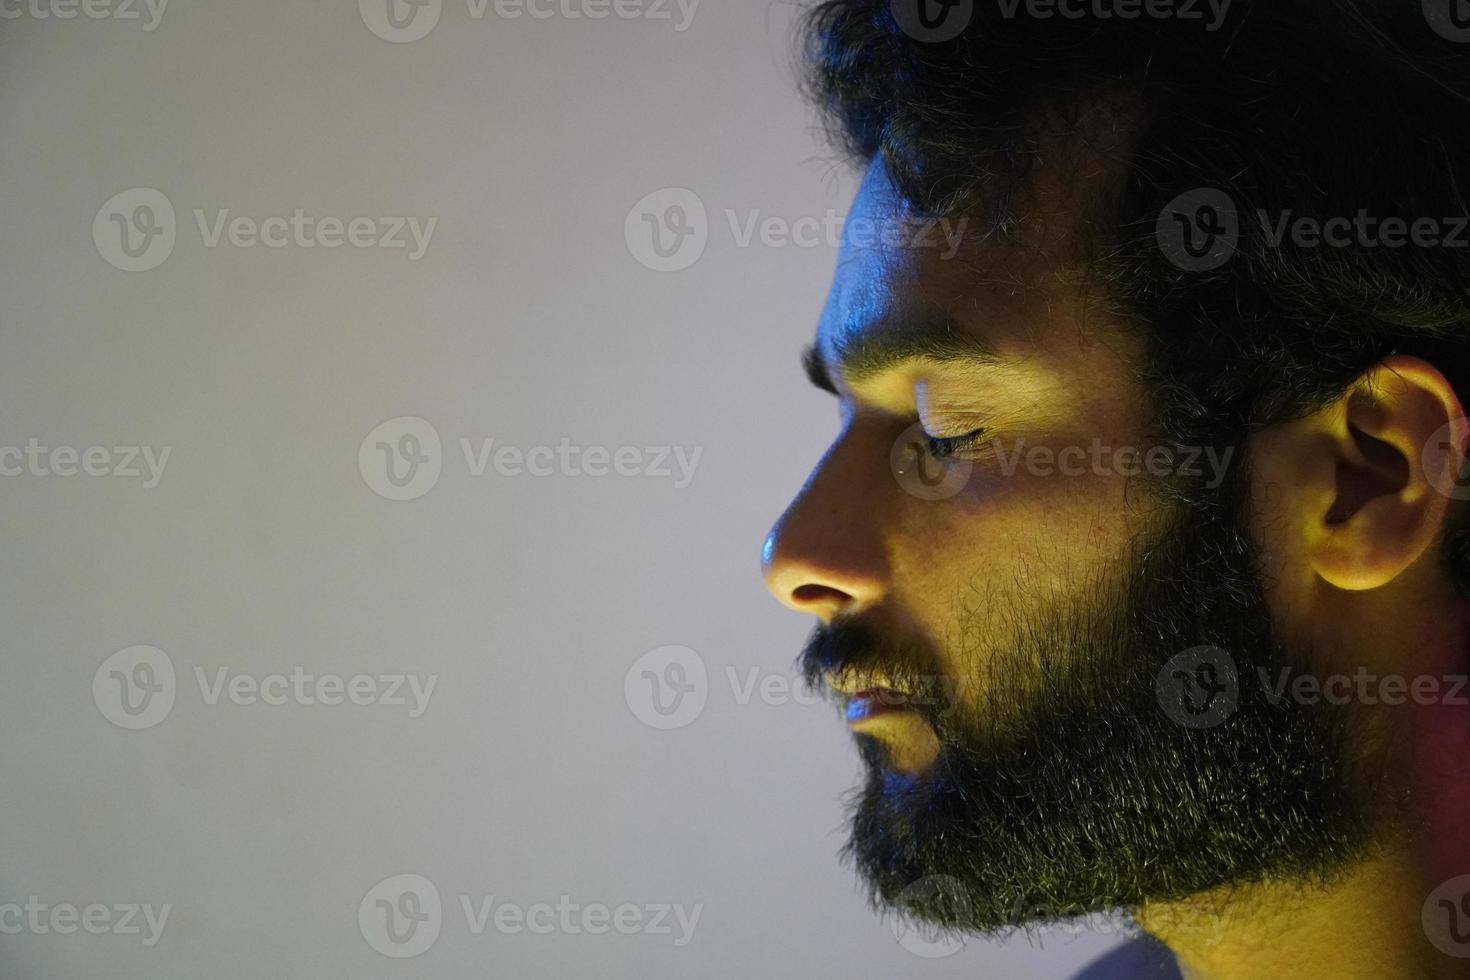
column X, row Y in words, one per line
column 855, row 656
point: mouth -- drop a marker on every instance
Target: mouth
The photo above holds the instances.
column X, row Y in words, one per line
column 873, row 704
column 869, row 698
column 892, row 717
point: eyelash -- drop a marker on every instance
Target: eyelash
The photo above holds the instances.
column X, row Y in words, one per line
column 943, row 447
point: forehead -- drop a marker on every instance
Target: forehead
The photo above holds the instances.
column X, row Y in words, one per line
column 878, row 266
column 1010, row 285
column 1010, row 321
column 898, row 272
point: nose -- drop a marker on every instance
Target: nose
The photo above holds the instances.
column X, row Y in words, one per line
column 825, row 555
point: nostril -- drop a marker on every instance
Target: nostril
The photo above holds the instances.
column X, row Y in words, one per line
column 809, row 594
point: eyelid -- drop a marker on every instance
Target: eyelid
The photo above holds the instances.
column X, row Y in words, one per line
column 950, row 425
column 949, row 405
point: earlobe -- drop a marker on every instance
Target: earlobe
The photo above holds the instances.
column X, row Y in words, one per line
column 1398, row 438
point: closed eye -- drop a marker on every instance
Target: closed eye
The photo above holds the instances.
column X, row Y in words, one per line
column 942, row 447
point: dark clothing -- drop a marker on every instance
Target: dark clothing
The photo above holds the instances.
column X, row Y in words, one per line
column 1144, row 958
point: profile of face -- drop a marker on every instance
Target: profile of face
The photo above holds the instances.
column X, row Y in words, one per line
column 1043, row 623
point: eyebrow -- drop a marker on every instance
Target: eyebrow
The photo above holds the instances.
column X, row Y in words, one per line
column 930, row 335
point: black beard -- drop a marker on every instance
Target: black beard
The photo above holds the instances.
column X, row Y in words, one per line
column 1074, row 792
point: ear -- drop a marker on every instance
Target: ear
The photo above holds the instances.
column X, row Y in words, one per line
column 1396, row 441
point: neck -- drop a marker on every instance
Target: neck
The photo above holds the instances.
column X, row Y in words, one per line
column 1365, row 926
column 1371, row 922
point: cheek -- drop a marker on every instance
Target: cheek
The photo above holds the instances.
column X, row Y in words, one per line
column 1277, row 521
column 1008, row 542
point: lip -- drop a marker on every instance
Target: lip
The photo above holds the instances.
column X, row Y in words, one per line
column 874, row 703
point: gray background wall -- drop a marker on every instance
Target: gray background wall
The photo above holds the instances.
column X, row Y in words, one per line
column 538, row 768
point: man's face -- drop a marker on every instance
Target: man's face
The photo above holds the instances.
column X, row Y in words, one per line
column 947, row 551
column 1001, row 583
